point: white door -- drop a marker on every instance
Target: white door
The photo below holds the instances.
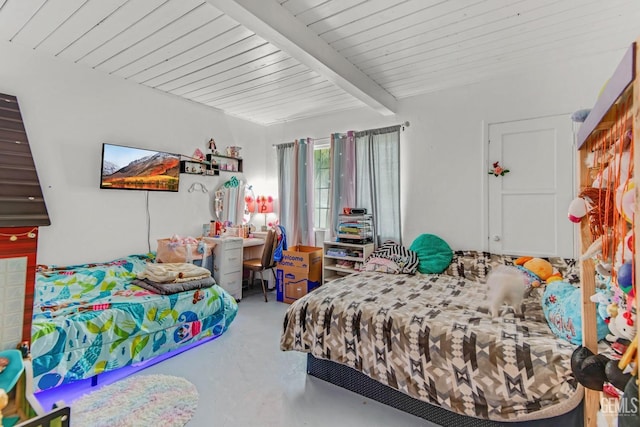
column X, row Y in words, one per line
column 528, row 205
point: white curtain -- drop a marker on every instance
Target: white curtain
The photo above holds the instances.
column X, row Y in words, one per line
column 378, row 180
column 343, row 177
column 295, row 190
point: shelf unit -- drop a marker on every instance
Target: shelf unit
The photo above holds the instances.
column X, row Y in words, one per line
column 212, row 166
column 608, row 133
column 196, row 168
column 220, row 163
column 354, row 255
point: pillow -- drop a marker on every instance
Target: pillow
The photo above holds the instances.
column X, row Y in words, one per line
column 434, row 254
column 382, row 265
column 406, row 261
column 561, row 305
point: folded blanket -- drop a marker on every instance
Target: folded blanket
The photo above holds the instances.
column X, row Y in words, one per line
column 175, row 287
column 173, row 272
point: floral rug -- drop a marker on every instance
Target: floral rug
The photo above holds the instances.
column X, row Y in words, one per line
column 143, row 400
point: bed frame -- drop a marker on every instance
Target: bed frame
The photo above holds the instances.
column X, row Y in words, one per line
column 353, row 380
column 616, row 110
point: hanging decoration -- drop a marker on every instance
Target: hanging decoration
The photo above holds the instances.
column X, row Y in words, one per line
column 498, row 170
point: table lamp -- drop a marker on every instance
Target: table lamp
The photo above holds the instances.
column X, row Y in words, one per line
column 265, row 206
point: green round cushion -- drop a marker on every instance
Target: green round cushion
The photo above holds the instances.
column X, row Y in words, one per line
column 434, row 254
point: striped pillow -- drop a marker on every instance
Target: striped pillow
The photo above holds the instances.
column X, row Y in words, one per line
column 406, row 260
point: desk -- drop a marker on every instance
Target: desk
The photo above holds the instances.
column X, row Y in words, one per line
column 228, row 254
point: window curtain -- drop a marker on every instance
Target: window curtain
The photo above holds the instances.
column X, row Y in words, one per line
column 295, row 190
column 377, row 159
column 343, row 177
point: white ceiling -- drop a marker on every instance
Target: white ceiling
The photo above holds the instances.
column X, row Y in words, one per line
column 271, row 61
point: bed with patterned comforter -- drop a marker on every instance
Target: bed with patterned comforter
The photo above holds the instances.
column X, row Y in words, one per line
column 91, row 318
column 431, row 337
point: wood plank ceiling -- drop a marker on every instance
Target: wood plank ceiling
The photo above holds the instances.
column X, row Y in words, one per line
column 237, row 56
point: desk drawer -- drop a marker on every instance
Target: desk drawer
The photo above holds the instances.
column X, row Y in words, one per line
column 231, row 282
column 233, row 244
column 231, row 257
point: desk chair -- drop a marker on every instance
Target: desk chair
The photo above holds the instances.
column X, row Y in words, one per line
column 266, row 262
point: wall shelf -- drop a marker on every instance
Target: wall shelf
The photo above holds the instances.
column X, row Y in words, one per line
column 222, row 163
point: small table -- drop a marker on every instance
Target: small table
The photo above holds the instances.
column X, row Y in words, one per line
column 8, row 380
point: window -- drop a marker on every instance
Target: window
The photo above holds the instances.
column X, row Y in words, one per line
column 321, row 166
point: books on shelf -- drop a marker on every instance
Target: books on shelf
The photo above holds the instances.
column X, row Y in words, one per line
column 355, row 228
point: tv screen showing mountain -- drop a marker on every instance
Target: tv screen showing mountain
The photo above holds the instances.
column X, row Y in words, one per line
column 129, row 168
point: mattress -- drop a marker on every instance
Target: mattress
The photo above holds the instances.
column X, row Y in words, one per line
column 89, row 319
column 431, row 337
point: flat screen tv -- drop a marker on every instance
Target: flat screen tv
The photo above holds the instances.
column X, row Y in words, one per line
column 128, row 168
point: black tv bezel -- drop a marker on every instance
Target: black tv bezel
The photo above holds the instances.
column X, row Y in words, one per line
column 178, row 156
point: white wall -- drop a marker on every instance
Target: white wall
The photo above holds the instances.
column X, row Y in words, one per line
column 442, row 152
column 69, row 111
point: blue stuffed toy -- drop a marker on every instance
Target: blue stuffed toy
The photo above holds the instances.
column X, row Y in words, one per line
column 561, row 304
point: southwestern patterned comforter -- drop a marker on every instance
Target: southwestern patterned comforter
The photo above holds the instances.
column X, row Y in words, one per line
column 431, row 337
column 92, row 318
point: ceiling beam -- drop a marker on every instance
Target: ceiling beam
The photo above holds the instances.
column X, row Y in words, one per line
column 278, row 26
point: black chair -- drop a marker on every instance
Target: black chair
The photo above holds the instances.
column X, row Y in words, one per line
column 266, row 262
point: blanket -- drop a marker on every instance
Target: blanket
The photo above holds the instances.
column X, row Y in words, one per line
column 432, row 337
column 174, row 287
column 173, row 272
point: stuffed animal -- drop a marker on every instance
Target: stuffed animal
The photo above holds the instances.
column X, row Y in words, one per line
column 595, row 371
column 622, row 326
column 538, row 270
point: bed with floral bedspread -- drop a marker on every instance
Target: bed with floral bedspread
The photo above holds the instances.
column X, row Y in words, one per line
column 89, row 319
column 431, row 336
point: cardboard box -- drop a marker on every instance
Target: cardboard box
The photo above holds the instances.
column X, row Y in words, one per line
column 298, row 273
column 307, row 258
column 293, row 284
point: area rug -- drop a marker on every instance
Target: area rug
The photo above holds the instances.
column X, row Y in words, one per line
column 143, row 400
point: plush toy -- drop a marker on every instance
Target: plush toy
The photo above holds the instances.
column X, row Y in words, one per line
column 622, row 326
column 561, row 306
column 538, row 270
column 595, row 371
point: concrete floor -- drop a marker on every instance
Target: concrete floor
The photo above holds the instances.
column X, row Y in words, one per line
column 244, row 380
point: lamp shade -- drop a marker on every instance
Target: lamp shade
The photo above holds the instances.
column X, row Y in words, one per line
column 265, row 204
column 251, row 204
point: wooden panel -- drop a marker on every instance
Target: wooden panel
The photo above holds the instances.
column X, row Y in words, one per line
column 153, row 23
column 178, row 46
column 276, row 62
column 238, row 53
column 169, row 69
column 21, row 200
column 296, row 7
column 114, row 20
column 380, row 24
column 352, row 15
column 15, row 14
column 48, row 18
column 79, row 24
column 262, row 84
column 23, row 246
column 473, row 71
column 493, row 25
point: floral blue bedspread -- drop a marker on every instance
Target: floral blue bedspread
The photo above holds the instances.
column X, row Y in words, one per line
column 90, row 319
